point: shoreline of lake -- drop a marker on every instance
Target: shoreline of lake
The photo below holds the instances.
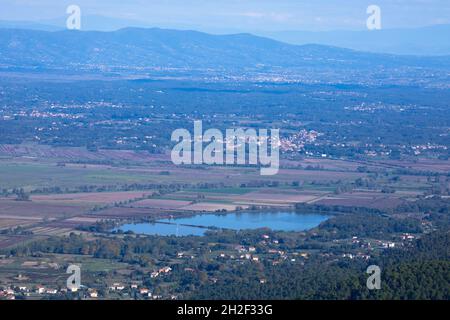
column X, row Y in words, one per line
column 199, row 224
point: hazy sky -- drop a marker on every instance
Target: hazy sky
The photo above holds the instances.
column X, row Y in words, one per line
column 241, row 15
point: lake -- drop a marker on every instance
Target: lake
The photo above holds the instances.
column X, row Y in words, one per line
column 197, row 225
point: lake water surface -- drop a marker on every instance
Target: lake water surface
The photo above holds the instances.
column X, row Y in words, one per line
column 197, row 225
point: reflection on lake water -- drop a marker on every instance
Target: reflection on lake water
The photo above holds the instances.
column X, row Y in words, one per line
column 282, row 221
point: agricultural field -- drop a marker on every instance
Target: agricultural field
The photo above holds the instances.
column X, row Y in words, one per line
column 34, row 272
column 63, row 197
column 46, row 195
column 375, row 200
column 93, row 198
column 30, row 210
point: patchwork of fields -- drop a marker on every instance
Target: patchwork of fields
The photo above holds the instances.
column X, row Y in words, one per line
column 88, row 193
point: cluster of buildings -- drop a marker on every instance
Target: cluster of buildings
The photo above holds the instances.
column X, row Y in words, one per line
column 163, row 270
column 46, row 114
column 143, row 291
column 267, row 250
column 419, row 149
column 372, row 107
column 375, row 244
column 297, row 141
column 12, row 292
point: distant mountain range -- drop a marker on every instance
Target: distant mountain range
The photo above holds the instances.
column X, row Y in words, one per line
column 432, row 40
column 163, row 48
column 28, row 25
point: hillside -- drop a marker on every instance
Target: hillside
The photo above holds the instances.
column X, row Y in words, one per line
column 162, row 48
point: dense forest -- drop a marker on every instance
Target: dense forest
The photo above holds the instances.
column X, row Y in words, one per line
column 421, row 272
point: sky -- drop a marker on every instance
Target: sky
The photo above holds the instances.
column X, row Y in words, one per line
column 240, row 15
